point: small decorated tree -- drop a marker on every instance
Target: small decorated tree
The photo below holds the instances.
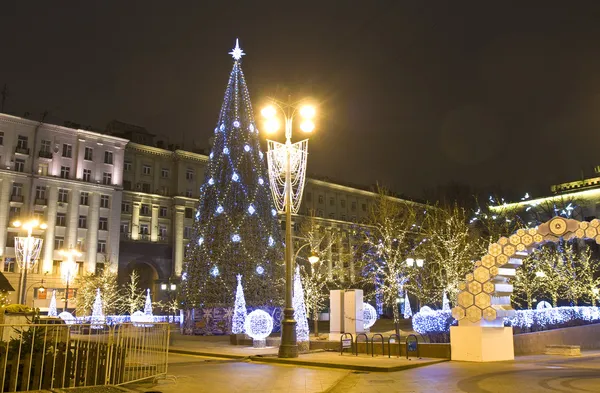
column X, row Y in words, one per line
column 302, row 330
column 239, row 312
column 52, row 309
column 148, row 304
column 97, row 311
column 407, row 309
column 133, row 296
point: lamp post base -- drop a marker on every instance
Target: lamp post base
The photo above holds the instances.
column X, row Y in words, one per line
column 288, row 347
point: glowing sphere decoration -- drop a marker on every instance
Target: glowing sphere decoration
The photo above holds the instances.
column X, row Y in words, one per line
column 67, row 317
column 369, row 315
column 426, row 309
column 543, row 304
column 258, row 325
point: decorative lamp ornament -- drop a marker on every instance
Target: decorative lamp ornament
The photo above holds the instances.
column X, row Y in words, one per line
column 543, row 304
column 369, row 315
column 98, row 318
column 52, row 308
column 426, row 309
column 258, row 325
column 239, row 312
column 148, row 304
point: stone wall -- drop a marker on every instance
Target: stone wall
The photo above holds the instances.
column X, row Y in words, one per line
column 587, row 337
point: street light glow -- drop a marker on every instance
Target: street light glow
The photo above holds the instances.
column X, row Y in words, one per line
column 410, row 262
column 268, row 112
column 308, row 111
column 272, row 125
column 17, row 223
column 313, row 258
column 307, row 126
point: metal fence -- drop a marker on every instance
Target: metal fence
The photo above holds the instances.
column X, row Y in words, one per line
column 48, row 356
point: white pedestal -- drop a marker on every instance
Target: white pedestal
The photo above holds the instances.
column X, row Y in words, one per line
column 336, row 314
column 481, row 344
column 353, row 311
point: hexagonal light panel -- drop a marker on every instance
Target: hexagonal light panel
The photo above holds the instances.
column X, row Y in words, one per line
column 537, row 238
column 474, row 287
column 465, row 299
column 591, row 233
column 488, row 260
column 527, row 239
column 469, row 276
column 473, row 314
column 502, row 241
column 495, row 249
column 532, row 231
column 483, row 300
column 501, row 260
column 489, row 287
column 509, row 250
column 481, row 274
column 458, row 313
column 580, row 233
column 489, row 314
column 462, row 285
column 515, row 239
column 584, row 224
column 478, row 263
column 521, row 232
column 493, row 271
column 595, row 223
column 521, row 247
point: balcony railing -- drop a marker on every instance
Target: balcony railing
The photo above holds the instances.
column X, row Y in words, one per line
column 16, row 198
column 142, row 237
column 45, row 154
column 41, row 201
column 22, row 150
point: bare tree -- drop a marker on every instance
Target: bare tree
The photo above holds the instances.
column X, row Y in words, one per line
column 133, row 295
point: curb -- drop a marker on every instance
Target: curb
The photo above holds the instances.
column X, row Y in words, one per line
column 353, row 367
column 208, row 354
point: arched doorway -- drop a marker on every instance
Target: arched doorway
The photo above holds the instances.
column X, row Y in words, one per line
column 484, row 299
column 146, row 272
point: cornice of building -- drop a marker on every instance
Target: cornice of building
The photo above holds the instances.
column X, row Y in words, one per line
column 353, row 190
column 148, row 149
column 191, row 156
column 576, row 185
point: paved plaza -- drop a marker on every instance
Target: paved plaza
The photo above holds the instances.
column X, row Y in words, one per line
column 542, row 373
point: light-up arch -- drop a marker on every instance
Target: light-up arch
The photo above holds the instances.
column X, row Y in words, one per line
column 485, row 295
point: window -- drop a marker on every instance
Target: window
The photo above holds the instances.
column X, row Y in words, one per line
column 88, row 154
column 1, row 138
column 164, row 172
column 188, row 193
column 127, row 184
column 187, row 232
column 189, row 174
column 103, row 224
column 162, row 211
column 61, row 219
column 364, row 207
column 83, row 198
column 125, row 207
column 108, row 157
column 59, row 242
column 10, row 239
column 87, row 175
column 146, row 187
column 105, row 201
column 39, row 215
column 353, row 206
column 343, row 202
column 83, row 222
column 319, row 213
column 43, row 169
column 14, row 212
column 145, row 210
column 9, row 265
column 102, row 246
column 22, row 142
column 17, row 189
column 331, row 215
column 46, row 147
column 127, row 166
column 40, row 192
column 343, row 217
column 162, row 231
column 64, row 172
column 125, row 227
column 353, row 219
column 321, row 199
column 107, row 178
column 81, row 244
column 144, row 230
column 19, row 165
column 99, row 268
column 67, row 150
column 332, row 201
column 146, row 170
column 63, row 195
column 189, row 213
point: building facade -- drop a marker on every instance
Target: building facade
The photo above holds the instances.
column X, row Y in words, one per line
column 69, row 179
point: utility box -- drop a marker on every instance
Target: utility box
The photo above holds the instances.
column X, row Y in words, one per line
column 336, row 314
column 353, row 312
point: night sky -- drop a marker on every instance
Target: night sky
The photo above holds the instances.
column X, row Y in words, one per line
column 412, row 93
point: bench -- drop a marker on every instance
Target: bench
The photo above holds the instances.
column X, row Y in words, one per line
column 564, row 350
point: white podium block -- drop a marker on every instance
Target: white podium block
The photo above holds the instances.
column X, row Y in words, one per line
column 481, row 343
column 336, row 314
column 353, row 311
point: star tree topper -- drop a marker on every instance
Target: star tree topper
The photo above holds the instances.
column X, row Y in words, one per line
column 237, row 52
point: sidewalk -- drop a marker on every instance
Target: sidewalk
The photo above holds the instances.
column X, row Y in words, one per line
column 218, row 346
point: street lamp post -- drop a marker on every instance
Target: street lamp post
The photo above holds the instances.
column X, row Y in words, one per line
column 27, row 250
column 410, row 262
column 286, row 162
column 169, row 287
column 68, row 270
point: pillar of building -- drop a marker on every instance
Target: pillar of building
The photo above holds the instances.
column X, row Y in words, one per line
column 154, row 224
column 73, row 220
column 329, row 253
column 49, row 234
column 4, row 212
column 341, row 255
column 92, row 232
column 135, row 221
column 178, row 257
column 350, row 257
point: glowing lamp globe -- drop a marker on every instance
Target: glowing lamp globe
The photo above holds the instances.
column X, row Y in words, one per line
column 426, row 310
column 307, row 126
column 308, row 112
column 369, row 315
column 258, row 325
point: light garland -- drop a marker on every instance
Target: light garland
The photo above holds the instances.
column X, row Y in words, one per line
column 369, row 315
column 258, row 325
column 239, row 312
column 302, row 331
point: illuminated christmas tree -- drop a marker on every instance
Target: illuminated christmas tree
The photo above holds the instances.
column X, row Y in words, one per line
column 407, row 309
column 445, row 303
column 239, row 312
column 302, row 331
column 236, row 230
column 148, row 304
column 97, row 313
column 52, row 309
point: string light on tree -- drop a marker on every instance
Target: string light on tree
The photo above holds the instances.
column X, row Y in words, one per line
column 302, row 331
column 239, row 311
